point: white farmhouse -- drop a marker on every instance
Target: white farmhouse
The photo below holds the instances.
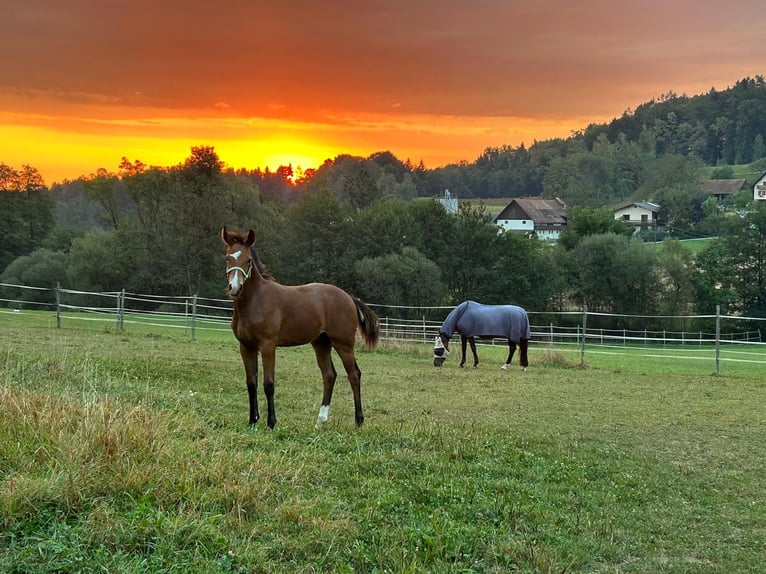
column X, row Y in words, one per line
column 545, row 218
column 641, row 214
column 759, row 189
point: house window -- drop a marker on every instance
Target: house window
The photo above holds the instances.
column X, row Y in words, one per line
column 626, row 217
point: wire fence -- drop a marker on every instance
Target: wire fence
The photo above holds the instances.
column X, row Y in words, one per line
column 576, row 331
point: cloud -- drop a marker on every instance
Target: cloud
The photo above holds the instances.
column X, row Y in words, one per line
column 444, row 75
column 484, row 57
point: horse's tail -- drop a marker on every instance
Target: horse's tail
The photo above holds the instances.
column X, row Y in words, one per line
column 368, row 323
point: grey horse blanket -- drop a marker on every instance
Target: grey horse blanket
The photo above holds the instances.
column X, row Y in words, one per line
column 472, row 319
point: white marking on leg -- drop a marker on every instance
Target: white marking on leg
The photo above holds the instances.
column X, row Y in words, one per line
column 324, row 415
column 504, row 367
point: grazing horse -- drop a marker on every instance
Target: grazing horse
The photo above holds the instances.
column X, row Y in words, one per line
column 471, row 319
column 268, row 315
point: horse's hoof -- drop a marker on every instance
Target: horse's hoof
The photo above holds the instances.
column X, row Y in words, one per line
column 504, row 367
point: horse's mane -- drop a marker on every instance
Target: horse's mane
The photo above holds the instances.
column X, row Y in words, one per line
column 259, row 265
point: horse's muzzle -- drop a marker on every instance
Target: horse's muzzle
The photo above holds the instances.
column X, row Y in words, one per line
column 233, row 291
column 440, row 355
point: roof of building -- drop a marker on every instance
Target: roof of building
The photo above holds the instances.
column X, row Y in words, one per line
column 722, row 186
column 541, row 211
column 649, row 206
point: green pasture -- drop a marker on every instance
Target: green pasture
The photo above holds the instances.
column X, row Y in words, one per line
column 694, row 245
column 129, row 452
column 493, row 205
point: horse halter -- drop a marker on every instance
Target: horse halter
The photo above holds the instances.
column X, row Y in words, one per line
column 245, row 274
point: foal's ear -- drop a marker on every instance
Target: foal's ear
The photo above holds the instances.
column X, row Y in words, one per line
column 250, row 238
column 225, row 236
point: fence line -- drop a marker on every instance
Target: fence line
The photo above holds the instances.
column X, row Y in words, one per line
column 193, row 313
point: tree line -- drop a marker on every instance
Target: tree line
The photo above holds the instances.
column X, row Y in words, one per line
column 158, row 231
column 634, row 156
column 372, row 225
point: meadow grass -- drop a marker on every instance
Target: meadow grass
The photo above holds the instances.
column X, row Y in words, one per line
column 130, row 452
column 694, row 245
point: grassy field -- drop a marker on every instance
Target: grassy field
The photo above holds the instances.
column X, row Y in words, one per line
column 694, row 245
column 130, row 452
column 493, row 205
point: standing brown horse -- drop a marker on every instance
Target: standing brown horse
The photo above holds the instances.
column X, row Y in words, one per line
column 268, row 315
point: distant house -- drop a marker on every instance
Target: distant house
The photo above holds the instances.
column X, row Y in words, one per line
column 545, row 218
column 449, row 202
column 722, row 188
column 759, row 189
column 641, row 214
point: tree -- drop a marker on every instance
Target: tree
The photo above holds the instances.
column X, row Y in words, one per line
column 723, row 172
column 43, row 268
column 524, row 273
column 404, row 278
column 714, row 217
column 759, row 148
column 314, row 240
column 109, row 261
column 585, row 221
column 613, row 274
column 435, row 231
column 579, row 179
column 360, row 190
column 128, row 168
column 474, row 251
column 101, row 187
column 674, row 183
column 675, row 267
column 26, row 180
column 731, row 271
column 179, row 214
column 203, row 162
column 26, row 212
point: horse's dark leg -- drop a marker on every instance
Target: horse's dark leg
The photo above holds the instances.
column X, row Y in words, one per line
column 323, row 351
column 472, row 342
column 268, row 355
column 346, row 352
column 250, row 360
column 523, row 359
column 463, row 341
column 511, row 351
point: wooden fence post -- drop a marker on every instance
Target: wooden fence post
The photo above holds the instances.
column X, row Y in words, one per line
column 58, row 305
column 121, row 310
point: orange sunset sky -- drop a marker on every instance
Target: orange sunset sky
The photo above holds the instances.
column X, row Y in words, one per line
column 271, row 82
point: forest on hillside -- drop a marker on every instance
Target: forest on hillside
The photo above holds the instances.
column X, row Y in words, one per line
column 372, row 225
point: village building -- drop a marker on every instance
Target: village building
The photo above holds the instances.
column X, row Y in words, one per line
column 722, row 188
column 544, row 218
column 640, row 214
column 759, row 189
